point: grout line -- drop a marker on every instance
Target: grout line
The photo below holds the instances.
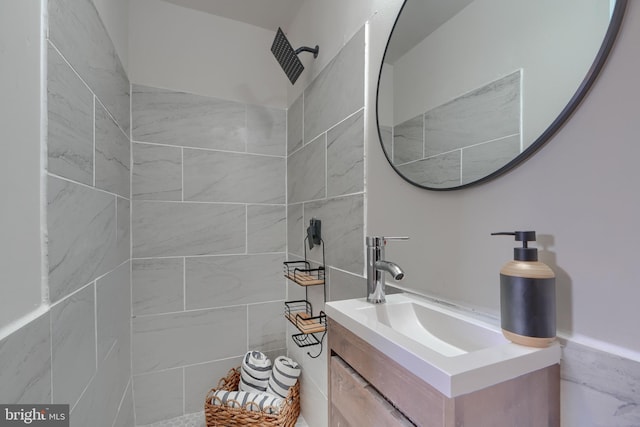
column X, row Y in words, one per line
column 367, row 114
column 248, row 331
column 51, row 354
column 213, row 150
column 207, row 256
column 142, row 374
column 184, row 390
column 86, row 84
column 131, row 250
column 81, row 288
column 187, row 201
column 184, row 283
column 45, row 298
column 51, row 174
column 195, row 310
column 246, row 128
column 113, row 119
column 246, row 229
column 126, row 389
column 521, row 116
column 95, row 322
column 326, row 165
column 182, row 174
column 330, row 128
column 94, row 140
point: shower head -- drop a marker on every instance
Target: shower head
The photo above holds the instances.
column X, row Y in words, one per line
column 288, row 58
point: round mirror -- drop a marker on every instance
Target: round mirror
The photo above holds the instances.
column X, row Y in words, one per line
column 468, row 89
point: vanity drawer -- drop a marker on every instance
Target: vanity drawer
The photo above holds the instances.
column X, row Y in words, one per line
column 420, row 402
column 355, row 403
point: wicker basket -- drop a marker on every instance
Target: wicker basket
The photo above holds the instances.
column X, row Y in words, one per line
column 224, row 416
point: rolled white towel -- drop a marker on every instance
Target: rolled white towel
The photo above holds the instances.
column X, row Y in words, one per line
column 284, row 375
column 255, row 372
column 249, row 401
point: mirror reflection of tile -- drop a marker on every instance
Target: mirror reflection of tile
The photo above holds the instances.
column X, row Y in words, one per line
column 462, row 140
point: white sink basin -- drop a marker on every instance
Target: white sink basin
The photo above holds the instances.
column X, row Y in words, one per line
column 446, row 334
column 454, row 351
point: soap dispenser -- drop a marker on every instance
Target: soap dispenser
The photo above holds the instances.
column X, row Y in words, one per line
column 527, row 295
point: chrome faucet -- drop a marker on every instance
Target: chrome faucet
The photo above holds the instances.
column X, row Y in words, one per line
column 377, row 266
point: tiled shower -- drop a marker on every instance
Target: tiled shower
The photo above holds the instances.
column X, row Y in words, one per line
column 208, row 242
column 169, row 215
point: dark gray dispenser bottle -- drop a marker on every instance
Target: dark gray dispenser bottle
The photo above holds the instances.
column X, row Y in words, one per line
column 527, row 295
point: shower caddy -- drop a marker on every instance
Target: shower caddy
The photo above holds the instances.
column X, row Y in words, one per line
column 300, row 312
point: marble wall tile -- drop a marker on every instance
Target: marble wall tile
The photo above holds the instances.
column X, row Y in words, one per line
column 267, row 326
column 345, row 156
column 215, row 176
column 338, row 91
column 160, row 341
column 152, row 406
column 82, row 235
column 342, row 230
column 221, row 281
column 25, row 363
column 99, row 403
column 73, row 345
column 306, row 172
column 157, row 172
column 123, row 230
column 343, row 285
column 295, row 229
column 178, row 118
column 125, row 417
column 408, row 141
column 314, row 404
column 436, row 172
column 112, row 154
column 266, row 228
column 70, row 122
column 314, row 370
column 480, row 160
column 158, row 285
column 199, row 379
column 76, row 30
column 113, row 309
column 266, row 130
column 584, row 406
column 487, row 113
column 603, row 372
column 294, row 125
column 294, row 291
column 183, row 229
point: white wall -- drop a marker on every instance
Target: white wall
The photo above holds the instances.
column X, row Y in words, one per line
column 115, row 17
column 182, row 49
column 579, row 192
column 554, row 43
column 329, row 24
column 20, row 167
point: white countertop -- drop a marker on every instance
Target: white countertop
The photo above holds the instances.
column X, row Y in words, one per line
column 452, row 375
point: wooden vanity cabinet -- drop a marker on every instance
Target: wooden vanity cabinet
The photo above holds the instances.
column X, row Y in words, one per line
column 367, row 388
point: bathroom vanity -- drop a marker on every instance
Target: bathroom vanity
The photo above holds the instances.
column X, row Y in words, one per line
column 385, row 371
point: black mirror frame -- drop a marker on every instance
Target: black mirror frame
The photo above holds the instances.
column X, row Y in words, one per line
column 603, row 53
